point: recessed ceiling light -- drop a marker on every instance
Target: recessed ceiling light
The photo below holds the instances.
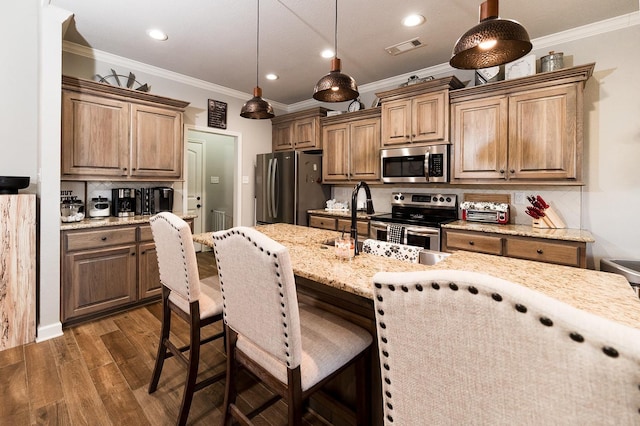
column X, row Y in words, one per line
column 413, row 20
column 157, row 34
column 271, row 76
column 328, row 53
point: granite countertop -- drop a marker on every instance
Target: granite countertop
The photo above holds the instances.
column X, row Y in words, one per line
column 113, row 221
column 360, row 214
column 579, row 235
column 601, row 293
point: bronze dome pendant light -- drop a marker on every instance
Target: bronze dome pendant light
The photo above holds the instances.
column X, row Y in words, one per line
column 335, row 86
column 492, row 42
column 256, row 107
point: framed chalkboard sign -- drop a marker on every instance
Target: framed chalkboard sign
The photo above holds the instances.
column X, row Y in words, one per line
column 217, row 116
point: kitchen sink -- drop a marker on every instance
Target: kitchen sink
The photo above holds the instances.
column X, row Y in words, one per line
column 430, row 257
column 332, row 243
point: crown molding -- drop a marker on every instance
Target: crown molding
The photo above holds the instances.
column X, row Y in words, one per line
column 590, row 30
column 116, row 60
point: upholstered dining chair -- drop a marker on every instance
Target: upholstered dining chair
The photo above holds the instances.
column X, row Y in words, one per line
column 197, row 302
column 294, row 349
column 460, row 347
column 402, row 252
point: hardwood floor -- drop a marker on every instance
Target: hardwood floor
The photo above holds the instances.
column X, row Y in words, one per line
column 97, row 373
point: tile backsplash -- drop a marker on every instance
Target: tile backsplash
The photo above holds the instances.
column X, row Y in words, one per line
column 566, row 201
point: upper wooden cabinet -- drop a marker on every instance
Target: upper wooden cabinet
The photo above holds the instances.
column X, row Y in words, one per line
column 298, row 130
column 526, row 130
column 119, row 134
column 351, row 147
column 417, row 114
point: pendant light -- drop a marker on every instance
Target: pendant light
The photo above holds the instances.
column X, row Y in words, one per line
column 492, row 42
column 335, row 86
column 256, row 107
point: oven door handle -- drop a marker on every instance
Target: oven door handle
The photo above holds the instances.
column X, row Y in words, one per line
column 420, row 231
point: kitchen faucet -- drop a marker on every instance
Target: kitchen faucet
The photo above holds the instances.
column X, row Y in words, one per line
column 354, row 200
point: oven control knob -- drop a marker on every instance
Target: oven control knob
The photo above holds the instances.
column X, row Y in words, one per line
column 441, row 199
column 401, row 197
column 448, row 199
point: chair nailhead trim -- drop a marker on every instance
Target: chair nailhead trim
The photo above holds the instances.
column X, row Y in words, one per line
column 405, row 289
column 496, row 297
column 521, row 308
column 380, row 311
column 473, row 290
column 418, row 287
column 453, row 286
column 609, row 351
column 546, row 321
column 435, row 286
column 576, row 337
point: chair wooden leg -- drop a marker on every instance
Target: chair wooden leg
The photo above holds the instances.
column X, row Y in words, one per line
column 363, row 389
column 164, row 335
column 192, row 366
column 230, row 390
column 294, row 397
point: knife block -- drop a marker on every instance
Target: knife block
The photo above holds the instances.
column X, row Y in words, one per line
column 550, row 220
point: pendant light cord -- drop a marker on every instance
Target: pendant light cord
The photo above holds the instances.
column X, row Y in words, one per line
column 258, row 43
column 335, row 33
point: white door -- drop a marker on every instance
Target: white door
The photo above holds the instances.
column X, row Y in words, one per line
column 195, row 177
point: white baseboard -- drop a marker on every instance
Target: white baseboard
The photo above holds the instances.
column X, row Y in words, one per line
column 49, row 332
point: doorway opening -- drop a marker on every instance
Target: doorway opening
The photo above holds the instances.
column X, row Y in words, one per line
column 213, row 190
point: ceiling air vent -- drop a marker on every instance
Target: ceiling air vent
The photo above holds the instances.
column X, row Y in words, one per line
column 405, row 46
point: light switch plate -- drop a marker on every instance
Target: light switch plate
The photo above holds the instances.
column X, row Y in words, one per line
column 519, row 198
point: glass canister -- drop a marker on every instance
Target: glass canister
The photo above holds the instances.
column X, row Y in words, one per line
column 553, row 61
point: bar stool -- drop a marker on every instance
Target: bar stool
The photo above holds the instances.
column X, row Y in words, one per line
column 199, row 303
column 460, row 347
column 294, row 349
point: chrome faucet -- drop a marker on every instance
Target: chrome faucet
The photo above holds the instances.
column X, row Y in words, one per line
column 354, row 205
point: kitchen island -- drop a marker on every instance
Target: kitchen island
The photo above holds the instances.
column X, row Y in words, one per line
column 345, row 287
column 601, row 293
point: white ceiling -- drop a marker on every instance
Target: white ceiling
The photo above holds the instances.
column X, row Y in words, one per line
column 215, row 40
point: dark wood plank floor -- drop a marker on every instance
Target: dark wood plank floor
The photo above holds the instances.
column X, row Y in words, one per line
column 98, row 374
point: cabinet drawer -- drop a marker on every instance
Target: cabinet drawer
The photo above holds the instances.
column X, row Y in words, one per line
column 322, row 222
column 361, row 225
column 564, row 254
column 99, row 238
column 474, row 242
column 145, row 233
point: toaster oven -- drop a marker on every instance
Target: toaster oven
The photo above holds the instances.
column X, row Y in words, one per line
column 485, row 212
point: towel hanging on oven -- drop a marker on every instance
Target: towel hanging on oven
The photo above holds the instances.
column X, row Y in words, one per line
column 395, row 234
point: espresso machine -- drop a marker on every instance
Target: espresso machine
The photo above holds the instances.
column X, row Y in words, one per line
column 123, row 202
column 162, row 199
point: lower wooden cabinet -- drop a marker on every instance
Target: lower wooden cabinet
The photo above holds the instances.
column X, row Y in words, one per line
column 561, row 252
column 338, row 224
column 107, row 269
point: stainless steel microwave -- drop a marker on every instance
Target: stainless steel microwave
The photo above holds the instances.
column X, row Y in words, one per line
column 418, row 164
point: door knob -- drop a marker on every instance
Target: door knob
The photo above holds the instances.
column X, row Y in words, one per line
column 198, row 205
column 198, row 198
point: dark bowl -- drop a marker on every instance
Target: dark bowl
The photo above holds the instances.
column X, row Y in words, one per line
column 11, row 184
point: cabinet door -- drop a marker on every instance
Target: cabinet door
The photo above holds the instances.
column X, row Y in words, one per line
column 97, row 280
column 148, row 273
column 95, row 135
column 306, row 133
column 364, row 141
column 335, row 158
column 542, row 133
column 282, row 135
column 479, row 136
column 429, row 118
column 396, row 122
column 156, row 142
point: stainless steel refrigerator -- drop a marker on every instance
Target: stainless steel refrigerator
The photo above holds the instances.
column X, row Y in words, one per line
column 288, row 183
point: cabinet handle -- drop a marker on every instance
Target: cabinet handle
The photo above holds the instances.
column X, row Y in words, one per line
column 471, row 243
column 125, row 169
column 134, row 169
column 512, row 171
column 133, row 253
column 501, row 171
column 104, row 238
column 539, row 251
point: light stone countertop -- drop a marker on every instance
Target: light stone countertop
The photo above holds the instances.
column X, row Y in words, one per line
column 113, row 221
column 579, row 235
column 601, row 293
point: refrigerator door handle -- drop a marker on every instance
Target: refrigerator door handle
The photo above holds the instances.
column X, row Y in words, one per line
column 268, row 188
column 275, row 198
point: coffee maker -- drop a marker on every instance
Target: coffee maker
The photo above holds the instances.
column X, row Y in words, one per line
column 162, row 199
column 123, row 202
column 144, row 201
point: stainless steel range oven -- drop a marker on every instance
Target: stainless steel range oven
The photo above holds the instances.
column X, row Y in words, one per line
column 415, row 219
